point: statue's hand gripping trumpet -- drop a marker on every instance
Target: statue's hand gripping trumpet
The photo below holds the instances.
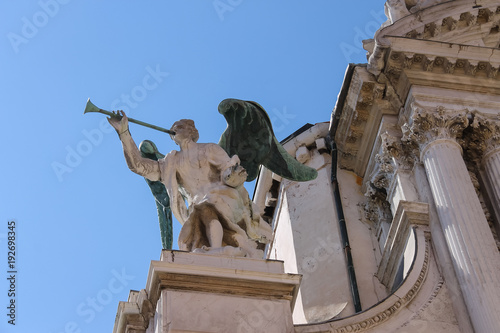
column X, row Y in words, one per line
column 203, row 182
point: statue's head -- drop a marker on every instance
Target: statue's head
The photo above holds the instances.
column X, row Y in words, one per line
column 184, row 129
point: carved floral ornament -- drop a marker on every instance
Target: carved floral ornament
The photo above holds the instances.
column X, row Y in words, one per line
column 393, row 155
column 426, row 126
column 486, row 133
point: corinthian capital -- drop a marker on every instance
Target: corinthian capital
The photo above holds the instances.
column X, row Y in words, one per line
column 485, row 137
column 428, row 125
column 392, row 156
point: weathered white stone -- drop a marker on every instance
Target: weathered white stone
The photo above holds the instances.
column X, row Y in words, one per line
column 408, row 214
column 302, row 154
column 308, row 242
column 475, row 257
column 189, row 292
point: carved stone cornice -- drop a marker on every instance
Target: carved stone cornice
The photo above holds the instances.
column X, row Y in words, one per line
column 427, row 126
column 365, row 93
column 442, row 64
column 451, row 22
column 134, row 315
column 457, row 21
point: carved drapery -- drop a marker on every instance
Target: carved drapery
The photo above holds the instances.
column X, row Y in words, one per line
column 470, row 242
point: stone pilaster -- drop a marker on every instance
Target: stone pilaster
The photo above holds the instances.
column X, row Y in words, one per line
column 472, row 247
column 489, row 132
column 393, row 170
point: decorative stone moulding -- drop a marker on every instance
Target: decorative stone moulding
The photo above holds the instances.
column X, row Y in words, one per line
column 455, row 61
column 454, row 22
column 189, row 292
column 365, row 105
column 408, row 215
column 431, row 125
column 386, row 312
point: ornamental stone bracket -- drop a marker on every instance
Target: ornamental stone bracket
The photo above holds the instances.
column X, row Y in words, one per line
column 460, row 24
column 438, row 64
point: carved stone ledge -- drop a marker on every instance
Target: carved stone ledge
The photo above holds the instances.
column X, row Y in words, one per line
column 135, row 314
column 388, row 309
column 429, row 24
column 437, row 64
column 364, row 94
column 194, row 282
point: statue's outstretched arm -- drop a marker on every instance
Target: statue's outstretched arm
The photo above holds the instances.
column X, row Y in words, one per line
column 142, row 166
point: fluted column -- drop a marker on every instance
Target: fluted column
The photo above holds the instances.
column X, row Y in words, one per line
column 475, row 257
column 491, row 157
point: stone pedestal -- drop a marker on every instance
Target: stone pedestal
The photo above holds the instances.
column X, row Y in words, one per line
column 187, row 292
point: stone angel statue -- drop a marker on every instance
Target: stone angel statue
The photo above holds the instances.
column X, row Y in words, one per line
column 204, row 181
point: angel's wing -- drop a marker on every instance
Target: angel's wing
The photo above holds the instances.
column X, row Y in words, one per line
column 249, row 135
column 148, row 149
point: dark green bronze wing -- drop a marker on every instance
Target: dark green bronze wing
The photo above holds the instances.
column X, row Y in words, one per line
column 249, row 134
column 148, row 149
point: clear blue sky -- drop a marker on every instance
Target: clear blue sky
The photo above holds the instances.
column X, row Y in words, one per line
column 86, row 227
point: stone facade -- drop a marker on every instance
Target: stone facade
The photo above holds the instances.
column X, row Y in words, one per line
column 416, row 135
column 399, row 232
